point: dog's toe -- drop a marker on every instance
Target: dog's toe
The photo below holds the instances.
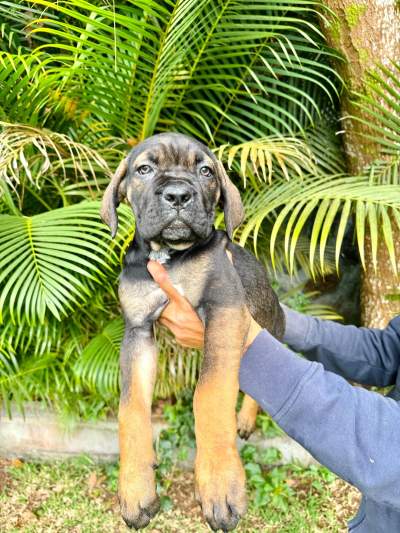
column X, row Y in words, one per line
column 245, row 428
column 141, row 516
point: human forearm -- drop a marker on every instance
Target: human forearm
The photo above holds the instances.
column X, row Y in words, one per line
column 368, row 356
column 350, row 430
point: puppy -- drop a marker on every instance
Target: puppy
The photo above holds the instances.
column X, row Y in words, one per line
column 174, row 184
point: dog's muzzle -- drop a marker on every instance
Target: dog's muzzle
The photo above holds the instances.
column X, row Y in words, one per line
column 177, row 199
column 174, row 211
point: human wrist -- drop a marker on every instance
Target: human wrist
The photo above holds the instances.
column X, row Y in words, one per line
column 296, row 327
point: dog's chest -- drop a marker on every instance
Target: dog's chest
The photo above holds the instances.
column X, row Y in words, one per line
column 143, row 300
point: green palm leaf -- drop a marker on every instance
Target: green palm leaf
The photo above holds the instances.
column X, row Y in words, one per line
column 49, row 262
column 98, row 365
column 241, row 70
column 17, row 378
column 290, row 204
column 153, row 66
column 260, row 157
column 380, row 107
column 17, row 16
column 24, row 88
column 35, row 340
column 114, row 54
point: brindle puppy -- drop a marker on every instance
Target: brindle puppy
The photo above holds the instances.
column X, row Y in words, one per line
column 174, row 184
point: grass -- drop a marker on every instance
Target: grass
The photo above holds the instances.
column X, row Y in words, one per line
column 79, row 496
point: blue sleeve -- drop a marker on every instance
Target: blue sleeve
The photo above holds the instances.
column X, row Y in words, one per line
column 368, row 356
column 352, row 431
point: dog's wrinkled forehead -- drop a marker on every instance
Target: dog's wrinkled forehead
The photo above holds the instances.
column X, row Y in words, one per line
column 171, row 149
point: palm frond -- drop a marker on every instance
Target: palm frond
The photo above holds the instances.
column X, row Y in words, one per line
column 324, row 202
column 16, row 378
column 290, row 155
column 34, row 341
column 250, row 68
column 301, row 260
column 16, row 17
column 97, row 367
column 113, row 53
column 192, row 66
column 28, row 152
column 27, row 88
column 380, row 109
column 49, row 262
column 98, row 364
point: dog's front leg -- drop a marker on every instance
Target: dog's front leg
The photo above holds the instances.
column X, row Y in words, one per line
column 137, row 491
column 220, row 477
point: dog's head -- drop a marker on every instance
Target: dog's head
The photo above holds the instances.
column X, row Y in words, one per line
column 173, row 184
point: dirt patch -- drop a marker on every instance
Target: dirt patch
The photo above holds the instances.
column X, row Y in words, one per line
column 345, row 500
column 62, row 497
column 5, row 478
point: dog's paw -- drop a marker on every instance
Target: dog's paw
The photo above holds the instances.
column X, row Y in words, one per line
column 221, row 488
column 246, row 418
column 246, row 424
column 139, row 514
column 138, row 499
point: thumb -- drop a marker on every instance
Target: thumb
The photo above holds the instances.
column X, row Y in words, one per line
column 160, row 276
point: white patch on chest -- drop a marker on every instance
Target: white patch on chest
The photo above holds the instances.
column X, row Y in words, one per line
column 161, row 255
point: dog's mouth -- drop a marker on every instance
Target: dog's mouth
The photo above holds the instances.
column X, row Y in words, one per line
column 178, row 231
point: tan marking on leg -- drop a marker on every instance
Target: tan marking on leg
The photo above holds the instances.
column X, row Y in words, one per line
column 137, row 493
column 220, row 477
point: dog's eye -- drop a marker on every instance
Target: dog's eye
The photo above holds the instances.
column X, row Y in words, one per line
column 206, row 171
column 144, row 169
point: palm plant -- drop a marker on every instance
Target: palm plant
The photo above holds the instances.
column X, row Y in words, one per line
column 81, row 82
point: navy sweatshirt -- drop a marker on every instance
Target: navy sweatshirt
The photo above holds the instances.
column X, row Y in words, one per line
column 353, row 431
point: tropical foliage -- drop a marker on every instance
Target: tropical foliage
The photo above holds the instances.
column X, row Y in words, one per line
column 82, row 82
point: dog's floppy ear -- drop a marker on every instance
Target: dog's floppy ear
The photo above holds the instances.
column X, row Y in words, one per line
column 233, row 207
column 112, row 198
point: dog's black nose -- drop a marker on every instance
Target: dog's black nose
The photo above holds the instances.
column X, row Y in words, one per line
column 177, row 195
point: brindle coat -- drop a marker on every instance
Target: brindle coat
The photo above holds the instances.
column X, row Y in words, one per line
column 174, row 184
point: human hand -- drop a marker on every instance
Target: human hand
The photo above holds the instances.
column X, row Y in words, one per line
column 180, row 317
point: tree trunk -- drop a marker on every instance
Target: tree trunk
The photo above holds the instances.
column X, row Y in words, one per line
column 366, row 32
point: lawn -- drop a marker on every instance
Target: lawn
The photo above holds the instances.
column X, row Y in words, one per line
column 80, row 496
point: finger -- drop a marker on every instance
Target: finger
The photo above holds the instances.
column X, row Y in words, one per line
column 160, row 276
column 171, row 326
column 166, row 322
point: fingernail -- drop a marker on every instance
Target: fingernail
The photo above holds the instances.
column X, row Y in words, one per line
column 151, row 265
